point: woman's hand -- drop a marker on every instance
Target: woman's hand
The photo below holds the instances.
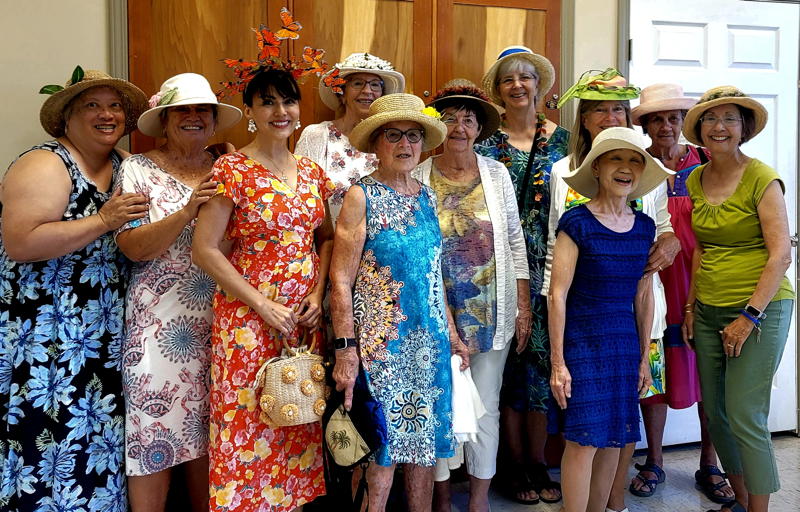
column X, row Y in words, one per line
column 200, row 195
column 310, row 312
column 523, row 330
column 560, row 383
column 687, row 328
column 344, row 373
column 735, row 334
column 278, row 317
column 645, row 376
column 459, row 347
column 122, row 208
column 662, row 253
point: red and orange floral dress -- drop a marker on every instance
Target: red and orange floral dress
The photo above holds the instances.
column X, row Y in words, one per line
column 253, row 466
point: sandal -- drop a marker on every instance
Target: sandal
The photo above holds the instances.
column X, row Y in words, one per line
column 710, row 489
column 733, row 506
column 519, row 482
column 651, row 484
column 538, row 474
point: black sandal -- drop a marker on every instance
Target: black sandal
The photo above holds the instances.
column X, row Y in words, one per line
column 538, row 474
column 733, row 506
column 652, row 484
column 703, row 484
column 519, row 482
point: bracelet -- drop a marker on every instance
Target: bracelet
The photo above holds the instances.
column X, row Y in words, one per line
column 688, row 308
column 750, row 317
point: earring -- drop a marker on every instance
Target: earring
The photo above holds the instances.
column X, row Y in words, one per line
column 297, row 125
column 251, row 126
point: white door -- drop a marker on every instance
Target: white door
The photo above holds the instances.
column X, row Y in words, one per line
column 752, row 45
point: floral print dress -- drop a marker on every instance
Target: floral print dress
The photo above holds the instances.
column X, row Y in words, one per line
column 62, row 418
column 168, row 336
column 526, row 380
column 253, row 466
column 399, row 315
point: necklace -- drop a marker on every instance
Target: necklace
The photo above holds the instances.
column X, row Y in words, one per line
column 276, row 169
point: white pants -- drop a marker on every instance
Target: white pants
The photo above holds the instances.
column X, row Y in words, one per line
column 481, row 456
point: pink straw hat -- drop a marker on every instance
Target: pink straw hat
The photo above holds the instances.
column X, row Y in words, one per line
column 661, row 97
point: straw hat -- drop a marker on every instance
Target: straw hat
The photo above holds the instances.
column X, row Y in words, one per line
column 583, row 181
column 399, row 107
column 660, row 98
column 51, row 115
column 544, row 68
column 185, row 89
column 362, row 62
column 460, row 91
column 722, row 95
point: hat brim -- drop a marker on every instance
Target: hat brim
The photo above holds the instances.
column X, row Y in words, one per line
column 435, row 130
column 694, row 114
column 490, row 112
column 547, row 75
column 51, row 115
column 393, row 82
column 660, row 106
column 582, row 179
column 150, row 124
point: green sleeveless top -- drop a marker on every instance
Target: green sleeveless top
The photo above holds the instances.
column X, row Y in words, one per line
column 734, row 253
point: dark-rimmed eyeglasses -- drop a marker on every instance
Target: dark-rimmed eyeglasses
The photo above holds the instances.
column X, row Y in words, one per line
column 413, row 135
column 358, row 84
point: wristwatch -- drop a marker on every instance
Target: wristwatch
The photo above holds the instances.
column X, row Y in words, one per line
column 757, row 313
column 343, row 343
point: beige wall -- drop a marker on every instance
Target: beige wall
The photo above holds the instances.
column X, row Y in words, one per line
column 595, row 33
column 43, row 41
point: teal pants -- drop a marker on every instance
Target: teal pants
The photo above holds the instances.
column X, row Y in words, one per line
column 736, row 390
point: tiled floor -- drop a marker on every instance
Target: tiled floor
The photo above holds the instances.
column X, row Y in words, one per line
column 678, row 492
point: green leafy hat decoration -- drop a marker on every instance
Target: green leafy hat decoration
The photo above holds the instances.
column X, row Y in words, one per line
column 51, row 115
column 608, row 85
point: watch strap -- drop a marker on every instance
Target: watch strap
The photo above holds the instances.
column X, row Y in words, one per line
column 343, row 343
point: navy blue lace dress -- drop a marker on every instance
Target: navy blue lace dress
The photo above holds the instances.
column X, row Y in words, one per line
column 601, row 344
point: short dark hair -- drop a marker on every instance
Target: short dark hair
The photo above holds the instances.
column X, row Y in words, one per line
column 464, row 104
column 748, row 124
column 281, row 81
column 644, row 119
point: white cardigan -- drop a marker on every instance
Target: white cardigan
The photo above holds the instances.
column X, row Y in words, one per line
column 511, row 262
column 654, row 205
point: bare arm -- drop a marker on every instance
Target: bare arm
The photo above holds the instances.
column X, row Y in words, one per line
column 687, row 329
column 207, row 253
column 565, row 257
column 35, row 195
column 667, row 245
column 351, row 232
column 643, row 309
column 310, row 309
column 150, row 241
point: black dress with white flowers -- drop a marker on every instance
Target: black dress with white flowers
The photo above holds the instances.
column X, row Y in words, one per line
column 61, row 408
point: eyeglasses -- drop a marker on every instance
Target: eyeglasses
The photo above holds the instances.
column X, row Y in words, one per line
column 508, row 80
column 375, row 85
column 413, row 135
column 711, row 120
column 467, row 122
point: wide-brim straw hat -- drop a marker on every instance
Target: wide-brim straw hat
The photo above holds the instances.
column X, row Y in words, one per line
column 544, row 68
column 583, row 181
column 362, row 62
column 462, row 91
column 722, row 95
column 660, row 98
column 185, row 89
column 51, row 115
column 399, row 107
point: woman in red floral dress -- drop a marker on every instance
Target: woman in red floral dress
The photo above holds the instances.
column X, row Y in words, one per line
column 257, row 239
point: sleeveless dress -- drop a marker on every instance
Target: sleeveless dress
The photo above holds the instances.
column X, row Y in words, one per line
column 254, row 466
column 400, row 324
column 61, row 328
column 601, row 344
column 167, row 348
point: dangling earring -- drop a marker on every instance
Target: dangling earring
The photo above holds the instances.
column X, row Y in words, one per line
column 297, row 125
column 251, row 126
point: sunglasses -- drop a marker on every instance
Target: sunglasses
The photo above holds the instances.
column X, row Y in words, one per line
column 413, row 135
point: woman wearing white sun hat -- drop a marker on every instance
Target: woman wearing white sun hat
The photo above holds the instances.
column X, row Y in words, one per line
column 169, row 298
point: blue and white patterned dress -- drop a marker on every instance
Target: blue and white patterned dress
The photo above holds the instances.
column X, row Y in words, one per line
column 62, row 417
column 399, row 312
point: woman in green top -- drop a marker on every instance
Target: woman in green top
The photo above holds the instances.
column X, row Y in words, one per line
column 740, row 302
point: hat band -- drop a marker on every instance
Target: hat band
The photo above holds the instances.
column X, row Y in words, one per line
column 512, row 51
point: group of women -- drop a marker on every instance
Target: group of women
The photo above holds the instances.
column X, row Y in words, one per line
column 563, row 269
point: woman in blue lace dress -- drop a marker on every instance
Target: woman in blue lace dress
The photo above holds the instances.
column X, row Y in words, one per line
column 518, row 81
column 62, row 291
column 600, row 299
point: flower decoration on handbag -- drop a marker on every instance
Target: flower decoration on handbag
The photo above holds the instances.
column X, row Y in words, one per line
column 269, row 57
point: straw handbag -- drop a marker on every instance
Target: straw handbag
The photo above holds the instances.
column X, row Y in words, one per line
column 292, row 387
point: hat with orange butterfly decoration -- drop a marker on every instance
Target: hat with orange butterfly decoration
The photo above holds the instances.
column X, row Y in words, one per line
column 359, row 62
column 269, row 50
